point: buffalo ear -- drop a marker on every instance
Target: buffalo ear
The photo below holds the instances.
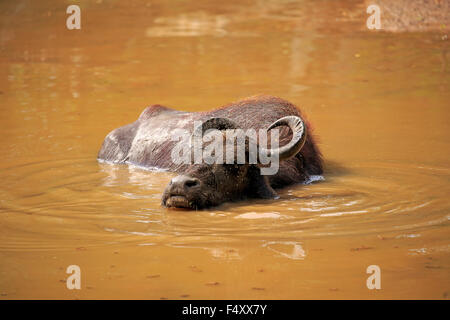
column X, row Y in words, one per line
column 259, row 185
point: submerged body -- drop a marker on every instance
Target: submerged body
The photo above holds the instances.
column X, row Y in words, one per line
column 148, row 142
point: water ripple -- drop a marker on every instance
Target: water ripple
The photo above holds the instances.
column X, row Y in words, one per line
column 82, row 203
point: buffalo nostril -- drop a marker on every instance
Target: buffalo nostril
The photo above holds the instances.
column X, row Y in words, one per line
column 181, row 184
column 191, row 183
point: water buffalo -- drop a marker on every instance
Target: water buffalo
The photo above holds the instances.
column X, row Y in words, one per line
column 149, row 141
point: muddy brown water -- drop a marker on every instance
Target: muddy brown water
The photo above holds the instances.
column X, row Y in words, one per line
column 379, row 103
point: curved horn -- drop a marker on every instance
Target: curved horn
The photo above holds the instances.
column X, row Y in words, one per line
column 298, row 137
column 213, row 123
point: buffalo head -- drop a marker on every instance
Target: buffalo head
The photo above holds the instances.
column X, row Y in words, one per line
column 205, row 185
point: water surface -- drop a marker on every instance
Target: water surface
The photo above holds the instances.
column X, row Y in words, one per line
column 379, row 103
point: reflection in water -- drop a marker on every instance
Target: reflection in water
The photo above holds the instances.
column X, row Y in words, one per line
column 378, row 102
column 262, row 215
column 291, row 250
column 225, row 253
column 186, row 25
